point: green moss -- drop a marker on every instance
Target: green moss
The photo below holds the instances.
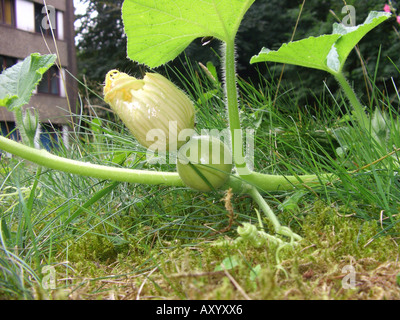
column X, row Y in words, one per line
column 312, row 270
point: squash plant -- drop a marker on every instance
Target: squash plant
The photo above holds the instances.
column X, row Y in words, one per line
column 328, row 53
column 157, row 32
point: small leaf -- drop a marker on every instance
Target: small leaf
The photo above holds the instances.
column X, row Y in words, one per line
column 120, row 157
column 380, row 126
column 213, row 71
column 96, row 126
column 342, row 151
column 18, row 82
column 291, row 203
column 228, row 264
column 255, row 272
column 159, row 30
column 207, row 95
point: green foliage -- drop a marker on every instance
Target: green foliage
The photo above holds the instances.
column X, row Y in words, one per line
column 105, row 239
column 102, row 46
column 327, row 52
column 127, row 240
column 18, row 82
column 228, row 263
column 160, row 31
column 382, row 42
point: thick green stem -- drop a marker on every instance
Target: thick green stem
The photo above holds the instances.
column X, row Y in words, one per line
column 20, row 125
column 46, row 159
column 237, row 183
column 233, row 109
column 355, row 103
column 268, row 182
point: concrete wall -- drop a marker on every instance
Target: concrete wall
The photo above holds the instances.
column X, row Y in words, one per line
column 51, row 109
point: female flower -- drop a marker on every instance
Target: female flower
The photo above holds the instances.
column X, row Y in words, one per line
column 204, row 163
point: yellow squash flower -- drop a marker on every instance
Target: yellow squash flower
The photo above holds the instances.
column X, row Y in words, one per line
column 153, row 109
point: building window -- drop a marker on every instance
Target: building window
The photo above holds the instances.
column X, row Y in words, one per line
column 6, row 62
column 7, row 12
column 50, row 136
column 42, row 21
column 7, row 129
column 50, row 82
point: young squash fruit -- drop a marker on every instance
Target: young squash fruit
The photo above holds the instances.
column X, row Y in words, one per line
column 204, row 163
column 153, row 109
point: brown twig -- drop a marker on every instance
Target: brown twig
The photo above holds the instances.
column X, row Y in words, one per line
column 236, row 285
column 377, row 161
column 231, row 214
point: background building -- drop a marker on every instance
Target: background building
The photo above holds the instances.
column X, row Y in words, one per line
column 25, row 29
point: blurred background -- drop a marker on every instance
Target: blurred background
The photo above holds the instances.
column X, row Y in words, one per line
column 101, row 46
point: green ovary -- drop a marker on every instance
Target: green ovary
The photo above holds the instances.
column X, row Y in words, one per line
column 204, row 163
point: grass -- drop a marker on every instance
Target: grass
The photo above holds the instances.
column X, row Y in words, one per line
column 108, row 240
column 311, row 271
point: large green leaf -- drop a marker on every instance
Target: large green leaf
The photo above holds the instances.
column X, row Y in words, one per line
column 326, row 52
column 352, row 35
column 310, row 52
column 159, row 30
column 18, row 82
